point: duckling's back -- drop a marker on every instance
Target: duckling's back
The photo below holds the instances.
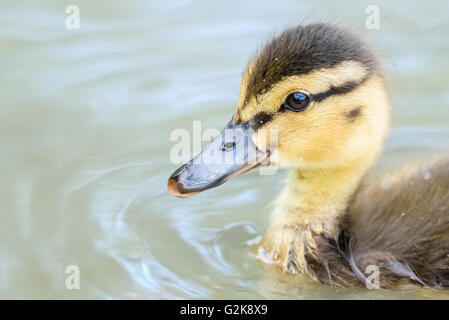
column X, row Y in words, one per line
column 401, row 226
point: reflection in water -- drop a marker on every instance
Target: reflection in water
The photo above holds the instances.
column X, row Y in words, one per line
column 85, row 121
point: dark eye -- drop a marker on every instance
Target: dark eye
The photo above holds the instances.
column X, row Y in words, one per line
column 297, row 101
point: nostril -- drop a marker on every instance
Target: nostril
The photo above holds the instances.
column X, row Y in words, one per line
column 228, row 146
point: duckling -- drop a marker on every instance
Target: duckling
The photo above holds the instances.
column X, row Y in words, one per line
column 323, row 92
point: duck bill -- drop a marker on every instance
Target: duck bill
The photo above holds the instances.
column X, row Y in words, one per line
column 230, row 154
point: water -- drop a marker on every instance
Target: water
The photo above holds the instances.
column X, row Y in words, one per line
column 85, row 121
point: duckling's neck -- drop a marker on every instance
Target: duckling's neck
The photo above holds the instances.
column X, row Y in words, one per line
column 317, row 198
column 312, row 204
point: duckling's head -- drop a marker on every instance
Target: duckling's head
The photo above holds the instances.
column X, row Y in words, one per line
column 312, row 98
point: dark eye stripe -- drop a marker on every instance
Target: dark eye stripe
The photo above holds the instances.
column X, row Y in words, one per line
column 260, row 120
column 343, row 89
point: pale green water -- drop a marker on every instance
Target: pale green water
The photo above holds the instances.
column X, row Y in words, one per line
column 85, row 120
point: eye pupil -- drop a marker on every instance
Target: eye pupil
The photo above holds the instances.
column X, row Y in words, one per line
column 297, row 101
column 299, row 98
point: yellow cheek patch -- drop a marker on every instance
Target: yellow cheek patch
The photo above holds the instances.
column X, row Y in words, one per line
column 315, row 82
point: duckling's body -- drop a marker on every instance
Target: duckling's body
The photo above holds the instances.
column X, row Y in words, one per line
column 399, row 224
column 403, row 227
column 322, row 92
